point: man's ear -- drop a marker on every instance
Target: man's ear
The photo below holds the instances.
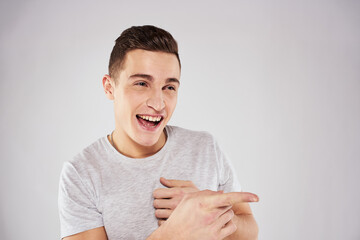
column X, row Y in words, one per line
column 108, row 85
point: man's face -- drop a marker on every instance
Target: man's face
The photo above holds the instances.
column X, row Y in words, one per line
column 145, row 95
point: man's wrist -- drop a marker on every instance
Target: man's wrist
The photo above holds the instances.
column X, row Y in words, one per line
column 164, row 233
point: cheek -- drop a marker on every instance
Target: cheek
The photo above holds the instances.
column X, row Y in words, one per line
column 133, row 99
column 124, row 105
column 171, row 102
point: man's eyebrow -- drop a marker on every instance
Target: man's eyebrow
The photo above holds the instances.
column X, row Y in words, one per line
column 150, row 78
column 141, row 75
column 173, row 80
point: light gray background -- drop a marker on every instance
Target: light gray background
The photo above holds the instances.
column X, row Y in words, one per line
column 277, row 82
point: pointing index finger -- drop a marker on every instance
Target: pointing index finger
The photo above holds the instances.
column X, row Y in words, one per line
column 229, row 199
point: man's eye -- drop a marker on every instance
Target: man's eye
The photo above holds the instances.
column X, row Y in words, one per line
column 143, row 84
column 171, row 88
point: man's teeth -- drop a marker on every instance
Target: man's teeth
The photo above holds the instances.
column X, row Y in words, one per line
column 152, row 119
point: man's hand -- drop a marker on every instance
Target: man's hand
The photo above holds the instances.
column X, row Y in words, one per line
column 203, row 215
column 167, row 199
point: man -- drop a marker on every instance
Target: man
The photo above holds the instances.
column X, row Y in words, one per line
column 147, row 179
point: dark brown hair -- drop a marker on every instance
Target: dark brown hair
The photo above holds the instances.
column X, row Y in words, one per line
column 146, row 37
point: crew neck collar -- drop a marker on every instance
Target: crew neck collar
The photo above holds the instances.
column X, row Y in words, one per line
column 121, row 157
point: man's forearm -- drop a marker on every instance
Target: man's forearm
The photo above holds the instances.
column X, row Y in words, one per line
column 156, row 235
column 161, row 234
column 247, row 228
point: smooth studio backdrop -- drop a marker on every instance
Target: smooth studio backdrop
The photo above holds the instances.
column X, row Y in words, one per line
column 277, row 83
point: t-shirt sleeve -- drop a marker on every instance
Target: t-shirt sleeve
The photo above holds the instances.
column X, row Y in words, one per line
column 77, row 204
column 228, row 178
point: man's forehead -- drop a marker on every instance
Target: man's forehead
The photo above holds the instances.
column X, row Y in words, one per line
column 140, row 55
column 137, row 62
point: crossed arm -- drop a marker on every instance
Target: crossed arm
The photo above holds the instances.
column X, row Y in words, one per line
column 186, row 213
column 241, row 224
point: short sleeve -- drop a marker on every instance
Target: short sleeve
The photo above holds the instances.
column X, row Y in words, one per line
column 77, row 204
column 228, row 178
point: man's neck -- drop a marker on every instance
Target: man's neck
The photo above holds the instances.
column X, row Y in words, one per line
column 126, row 146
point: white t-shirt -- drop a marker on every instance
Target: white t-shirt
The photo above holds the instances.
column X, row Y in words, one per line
column 101, row 187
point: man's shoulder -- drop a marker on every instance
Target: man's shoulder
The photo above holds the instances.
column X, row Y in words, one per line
column 186, row 135
column 90, row 155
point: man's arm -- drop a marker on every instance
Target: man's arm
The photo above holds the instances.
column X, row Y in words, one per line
column 167, row 199
column 202, row 215
column 93, row 234
column 247, row 228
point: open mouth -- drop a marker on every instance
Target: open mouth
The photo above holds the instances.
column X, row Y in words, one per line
column 149, row 122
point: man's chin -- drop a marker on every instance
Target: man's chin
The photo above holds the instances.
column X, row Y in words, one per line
column 151, row 140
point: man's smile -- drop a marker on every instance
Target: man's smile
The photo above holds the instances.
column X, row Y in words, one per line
column 149, row 122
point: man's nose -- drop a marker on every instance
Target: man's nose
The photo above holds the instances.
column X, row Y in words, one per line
column 156, row 100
